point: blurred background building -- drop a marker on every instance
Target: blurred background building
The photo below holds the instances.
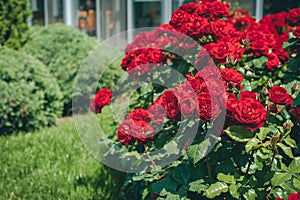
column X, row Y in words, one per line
column 104, row 18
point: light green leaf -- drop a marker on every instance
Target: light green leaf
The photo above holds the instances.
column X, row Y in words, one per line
column 259, row 62
column 290, row 142
column 286, row 150
column 226, row 178
column 239, row 134
column 280, row 178
column 251, row 144
column 198, row 151
column 296, row 183
column 263, row 132
column 215, row 190
column 294, row 167
column 197, row 186
column 233, row 189
column 250, row 195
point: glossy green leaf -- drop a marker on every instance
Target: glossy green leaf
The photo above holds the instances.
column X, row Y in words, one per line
column 263, row 132
column 259, row 62
column 233, row 189
column 294, row 167
column 239, row 134
column 290, row 142
column 250, row 195
column 286, row 150
column 226, row 178
column 296, row 183
column 198, row 151
column 215, row 190
column 280, row 178
column 197, row 186
column 251, row 144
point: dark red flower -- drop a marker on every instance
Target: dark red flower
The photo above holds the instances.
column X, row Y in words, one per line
column 248, row 95
column 296, row 32
column 140, row 114
column 250, row 114
column 170, row 103
column 125, row 135
column 294, row 196
column 101, row 99
column 293, row 17
column 232, row 77
column 157, row 114
column 208, row 108
column 296, row 113
column 273, row 62
column 279, row 95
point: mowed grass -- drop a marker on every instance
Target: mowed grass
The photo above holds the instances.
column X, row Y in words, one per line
column 52, row 163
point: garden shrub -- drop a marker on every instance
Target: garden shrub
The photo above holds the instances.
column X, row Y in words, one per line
column 14, row 29
column 63, row 49
column 30, row 96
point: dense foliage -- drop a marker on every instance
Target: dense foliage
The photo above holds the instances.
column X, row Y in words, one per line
column 14, row 29
column 30, row 96
column 247, row 86
column 63, row 49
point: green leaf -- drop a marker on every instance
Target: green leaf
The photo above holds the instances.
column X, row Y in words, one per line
column 252, row 144
column 239, row 134
column 181, row 174
column 167, row 183
column 169, row 196
column 291, row 42
column 259, row 62
column 198, row 151
column 263, row 132
column 233, row 189
column 296, row 183
column 197, row 186
column 216, row 189
column 250, row 195
column 286, row 150
column 226, row 178
column 290, row 142
column 280, row 178
column 294, row 167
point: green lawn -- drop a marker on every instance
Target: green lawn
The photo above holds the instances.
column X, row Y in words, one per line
column 53, row 164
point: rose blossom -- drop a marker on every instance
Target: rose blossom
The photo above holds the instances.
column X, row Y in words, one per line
column 101, row 99
column 250, row 114
column 207, row 108
column 296, row 113
column 140, row 114
column 279, row 95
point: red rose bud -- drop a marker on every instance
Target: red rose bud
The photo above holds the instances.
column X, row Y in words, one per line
column 287, row 125
column 246, row 41
column 295, row 87
column 270, row 83
column 265, row 91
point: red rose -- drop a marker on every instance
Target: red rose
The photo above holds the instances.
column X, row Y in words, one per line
column 207, row 108
column 293, row 17
column 124, row 134
column 190, row 7
column 296, row 113
column 232, row 77
column 197, row 26
column 221, row 50
column 273, row 62
column 101, row 99
column 179, row 18
column 229, row 103
column 250, row 114
column 294, row 196
column 140, row 114
column 142, row 131
column 170, row 103
column 222, row 29
column 296, row 32
column 248, row 95
column 279, row 95
column 259, row 47
column 157, row 114
column 213, row 9
column 188, row 106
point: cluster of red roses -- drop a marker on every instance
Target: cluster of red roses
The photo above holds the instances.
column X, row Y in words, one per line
column 226, row 37
column 101, row 99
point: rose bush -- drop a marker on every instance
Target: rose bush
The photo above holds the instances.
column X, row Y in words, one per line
column 233, row 67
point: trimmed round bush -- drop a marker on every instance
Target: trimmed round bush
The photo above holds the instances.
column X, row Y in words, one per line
column 30, row 96
column 14, row 29
column 63, row 49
